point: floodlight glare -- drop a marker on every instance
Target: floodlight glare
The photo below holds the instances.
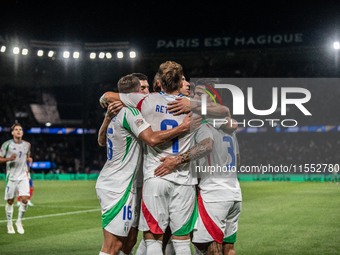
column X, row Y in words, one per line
column 24, row 52
column 48, row 124
column 76, row 54
column 51, row 53
column 3, row 48
column 16, row 50
column 92, row 55
column 336, row 45
column 101, row 55
column 66, row 54
column 120, row 54
column 132, row 54
column 40, row 53
column 108, row 55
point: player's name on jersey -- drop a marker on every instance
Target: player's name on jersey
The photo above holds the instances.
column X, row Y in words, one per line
column 162, row 109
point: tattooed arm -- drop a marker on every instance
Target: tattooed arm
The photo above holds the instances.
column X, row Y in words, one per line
column 198, row 151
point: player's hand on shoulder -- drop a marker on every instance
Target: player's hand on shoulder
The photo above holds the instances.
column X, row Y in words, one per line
column 113, row 109
column 179, row 106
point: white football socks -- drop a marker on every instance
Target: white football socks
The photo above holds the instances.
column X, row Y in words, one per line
column 141, row 250
column 153, row 247
column 22, row 210
column 182, row 246
column 103, row 253
column 9, row 213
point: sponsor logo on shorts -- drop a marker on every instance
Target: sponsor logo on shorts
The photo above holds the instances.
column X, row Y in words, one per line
column 139, row 122
column 126, row 226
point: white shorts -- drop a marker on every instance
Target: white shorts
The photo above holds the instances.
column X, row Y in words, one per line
column 13, row 187
column 118, row 211
column 217, row 221
column 167, row 203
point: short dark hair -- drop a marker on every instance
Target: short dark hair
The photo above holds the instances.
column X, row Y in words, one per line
column 128, row 84
column 210, row 82
column 154, row 83
column 15, row 125
column 170, row 75
column 140, row 76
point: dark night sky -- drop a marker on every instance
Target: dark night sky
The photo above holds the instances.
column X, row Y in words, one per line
column 100, row 21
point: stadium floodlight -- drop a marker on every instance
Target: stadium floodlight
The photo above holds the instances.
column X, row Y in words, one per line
column 51, row 53
column 133, row 54
column 48, row 124
column 120, row 54
column 336, row 45
column 108, row 55
column 76, row 54
column 92, row 55
column 101, row 55
column 24, row 52
column 16, row 50
column 3, row 48
column 40, row 53
column 66, row 54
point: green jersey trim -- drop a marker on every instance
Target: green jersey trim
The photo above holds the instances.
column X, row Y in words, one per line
column 125, row 123
column 9, row 170
column 112, row 213
column 189, row 226
column 204, row 121
column 6, row 144
column 134, row 111
column 127, row 147
column 7, row 177
column 230, row 239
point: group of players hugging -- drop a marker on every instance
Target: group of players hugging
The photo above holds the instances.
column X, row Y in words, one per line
column 150, row 182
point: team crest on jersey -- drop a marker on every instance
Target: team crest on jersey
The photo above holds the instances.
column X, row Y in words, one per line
column 139, row 122
column 126, row 226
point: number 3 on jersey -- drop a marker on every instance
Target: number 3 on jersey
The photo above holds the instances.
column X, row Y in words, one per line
column 172, row 123
column 230, row 151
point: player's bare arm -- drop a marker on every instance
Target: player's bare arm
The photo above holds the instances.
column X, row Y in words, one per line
column 4, row 160
column 159, row 137
column 112, row 110
column 184, row 105
column 198, row 151
column 29, row 159
column 109, row 97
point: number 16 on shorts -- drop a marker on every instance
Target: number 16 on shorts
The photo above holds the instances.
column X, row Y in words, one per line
column 127, row 213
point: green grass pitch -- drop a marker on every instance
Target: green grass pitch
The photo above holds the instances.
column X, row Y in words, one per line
column 277, row 218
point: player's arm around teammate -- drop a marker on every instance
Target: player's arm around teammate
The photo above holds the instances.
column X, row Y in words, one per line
column 112, row 110
column 198, row 151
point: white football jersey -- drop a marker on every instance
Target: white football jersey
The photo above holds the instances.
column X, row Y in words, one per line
column 154, row 109
column 218, row 172
column 16, row 169
column 124, row 151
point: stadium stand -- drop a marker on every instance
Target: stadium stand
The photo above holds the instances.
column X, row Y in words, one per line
column 66, row 94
